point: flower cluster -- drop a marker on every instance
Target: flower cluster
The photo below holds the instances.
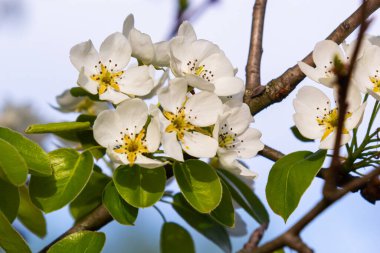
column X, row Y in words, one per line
column 199, row 113
column 315, row 117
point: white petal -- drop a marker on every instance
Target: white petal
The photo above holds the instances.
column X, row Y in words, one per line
column 251, row 143
column 87, row 83
column 107, row 127
column 228, row 86
column 238, row 115
column 162, row 54
column 354, row 98
column 228, row 162
column 199, row 83
column 314, row 99
column 153, row 134
column 116, row 48
column 171, row 146
column 203, row 109
column 356, row 118
column 142, row 46
column 329, row 142
column 134, row 114
column 325, row 51
column 129, row 23
column 84, row 55
column 116, row 157
column 173, row 97
column 115, row 97
column 308, row 126
column 67, row 102
column 218, row 64
column 312, row 73
column 199, row 145
column 187, row 31
column 148, row 163
column 136, row 81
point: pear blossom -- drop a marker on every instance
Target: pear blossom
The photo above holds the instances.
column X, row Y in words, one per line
column 236, row 139
column 316, row 119
column 125, row 135
column 204, row 66
column 103, row 73
column 184, row 121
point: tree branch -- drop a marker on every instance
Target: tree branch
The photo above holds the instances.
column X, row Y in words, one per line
column 279, row 88
column 252, row 70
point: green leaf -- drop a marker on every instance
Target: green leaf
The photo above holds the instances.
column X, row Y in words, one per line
column 12, row 164
column 30, row 215
column 289, row 178
column 279, row 251
column 140, row 187
column 203, row 223
column 120, row 210
column 225, row 212
column 35, row 157
column 90, row 197
column 10, row 240
column 86, row 138
column 299, row 136
column 71, row 172
column 80, row 92
column 199, row 184
column 175, row 238
column 9, row 200
column 79, row 242
column 245, row 197
column 58, row 127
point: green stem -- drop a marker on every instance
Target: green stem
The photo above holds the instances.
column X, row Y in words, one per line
column 161, row 213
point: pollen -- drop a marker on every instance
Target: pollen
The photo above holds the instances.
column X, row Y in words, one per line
column 132, row 146
column 107, row 78
column 330, row 122
column 375, row 80
column 178, row 123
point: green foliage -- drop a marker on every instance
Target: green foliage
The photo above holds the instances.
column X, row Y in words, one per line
column 29, row 215
column 299, row 136
column 203, row 223
column 10, row 240
column 12, row 164
column 245, row 197
column 83, row 241
column 58, row 127
column 120, row 210
column 80, row 92
column 71, row 172
column 225, row 212
column 289, row 178
column 140, row 187
column 9, row 200
column 175, row 238
column 35, row 157
column 199, row 184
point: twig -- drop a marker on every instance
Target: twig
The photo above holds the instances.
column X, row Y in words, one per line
column 279, row 88
column 255, row 238
column 252, row 70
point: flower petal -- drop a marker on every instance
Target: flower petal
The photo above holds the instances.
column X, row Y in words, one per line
column 203, row 109
column 84, row 55
column 117, row 157
column 107, row 127
column 173, row 96
column 218, row 64
column 187, row 31
column 356, row 118
column 228, row 86
column 313, row 73
column 115, row 97
column 128, row 24
column 324, row 53
column 250, row 143
column 329, row 142
column 313, row 99
column 308, row 126
column 228, row 162
column 199, row 145
column 153, row 134
column 142, row 46
column 238, row 115
column 87, row 83
column 133, row 114
column 148, row 163
column 136, row 81
column 199, row 83
column 115, row 51
column 162, row 54
column 171, row 146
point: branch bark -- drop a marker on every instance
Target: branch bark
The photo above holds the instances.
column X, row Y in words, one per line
column 279, row 88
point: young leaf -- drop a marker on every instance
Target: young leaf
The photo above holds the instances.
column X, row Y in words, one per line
column 289, row 178
column 29, row 215
column 120, row 210
column 225, row 212
column 245, row 196
column 9, row 200
column 80, row 92
column 175, row 238
column 140, row 187
column 58, row 127
column 90, row 197
column 79, row 242
column 35, row 157
column 203, row 223
column 12, row 164
column 298, row 135
column 10, row 240
column 199, row 184
column 71, row 172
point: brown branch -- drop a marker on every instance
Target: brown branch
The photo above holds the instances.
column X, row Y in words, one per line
column 255, row 238
column 252, row 70
column 279, row 88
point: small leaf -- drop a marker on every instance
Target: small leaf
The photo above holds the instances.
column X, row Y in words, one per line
column 90, row 197
column 71, row 172
column 10, row 240
column 35, row 157
column 79, row 242
column 140, row 187
column 86, row 138
column 58, row 127
column 12, row 164
column 120, row 210
column 203, row 223
column 299, row 136
column 9, row 200
column 225, row 212
column 245, row 197
column 289, row 178
column 199, row 184
column 175, row 238
column 30, row 215
column 80, row 92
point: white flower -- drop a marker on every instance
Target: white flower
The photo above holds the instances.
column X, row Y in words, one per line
column 104, row 72
column 124, row 134
column 366, row 72
column 236, row 139
column 69, row 103
column 184, row 121
column 315, row 118
column 204, row 66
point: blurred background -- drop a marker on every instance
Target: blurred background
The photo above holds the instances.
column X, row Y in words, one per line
column 35, row 39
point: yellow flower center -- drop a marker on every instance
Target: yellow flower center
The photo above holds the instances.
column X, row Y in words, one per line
column 86, row 105
column 107, row 78
column 200, row 71
column 330, row 122
column 225, row 140
column 131, row 147
column 178, row 124
column 376, row 83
